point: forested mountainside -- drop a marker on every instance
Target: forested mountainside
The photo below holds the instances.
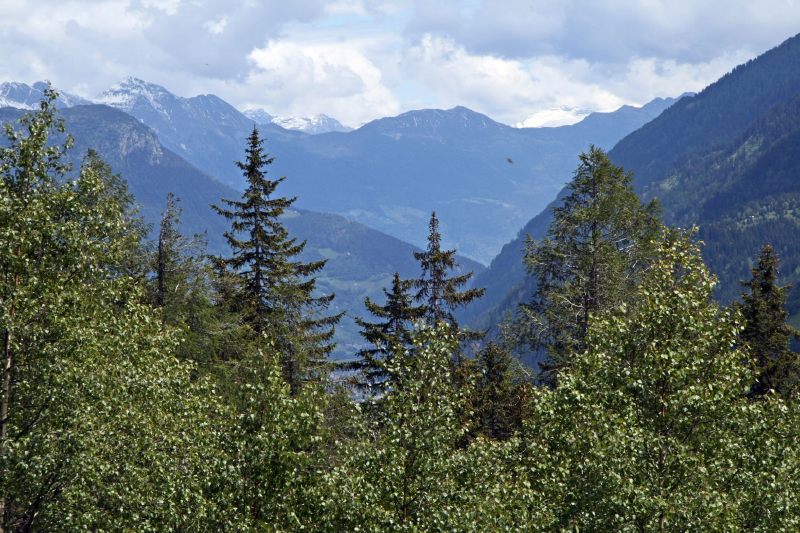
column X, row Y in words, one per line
column 721, row 159
column 361, row 260
column 741, row 195
column 484, row 178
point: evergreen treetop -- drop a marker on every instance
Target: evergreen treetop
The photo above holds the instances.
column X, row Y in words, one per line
column 440, row 293
column 275, row 289
column 766, row 333
column 597, row 247
column 392, row 332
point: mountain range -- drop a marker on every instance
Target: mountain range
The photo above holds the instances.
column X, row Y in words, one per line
column 161, row 142
column 484, row 179
column 726, row 160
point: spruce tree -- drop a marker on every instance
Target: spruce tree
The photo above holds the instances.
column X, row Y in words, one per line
column 595, row 251
column 497, row 390
column 275, row 290
column 391, row 333
column 440, row 293
column 766, row 333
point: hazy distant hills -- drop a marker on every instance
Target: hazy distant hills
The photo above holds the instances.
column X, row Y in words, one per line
column 361, row 260
column 485, row 179
column 726, row 159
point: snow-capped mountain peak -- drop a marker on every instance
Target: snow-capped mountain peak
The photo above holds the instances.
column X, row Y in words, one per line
column 259, row 116
column 315, row 124
column 24, row 96
column 134, row 92
column 312, row 125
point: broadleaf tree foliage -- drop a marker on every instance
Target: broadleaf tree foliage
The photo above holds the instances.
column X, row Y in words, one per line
column 162, row 397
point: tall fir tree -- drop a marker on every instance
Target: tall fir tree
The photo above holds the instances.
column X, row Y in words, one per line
column 391, row 333
column 439, row 292
column 766, row 333
column 596, row 249
column 273, row 289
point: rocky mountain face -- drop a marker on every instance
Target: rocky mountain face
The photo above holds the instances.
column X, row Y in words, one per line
column 24, row 96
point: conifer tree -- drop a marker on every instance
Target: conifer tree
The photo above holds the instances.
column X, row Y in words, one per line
column 274, row 289
column 178, row 261
column 393, row 332
column 181, row 284
column 766, row 333
column 496, row 393
column 440, row 293
column 594, row 253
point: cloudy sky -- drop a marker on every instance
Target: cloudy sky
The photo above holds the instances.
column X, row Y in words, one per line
column 541, row 60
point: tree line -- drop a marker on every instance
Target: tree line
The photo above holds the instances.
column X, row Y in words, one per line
column 148, row 386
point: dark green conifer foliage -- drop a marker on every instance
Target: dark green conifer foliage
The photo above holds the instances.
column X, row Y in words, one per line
column 392, row 332
column 274, row 290
column 766, row 333
column 497, row 389
column 178, row 262
column 440, row 293
column 181, row 287
column 597, row 246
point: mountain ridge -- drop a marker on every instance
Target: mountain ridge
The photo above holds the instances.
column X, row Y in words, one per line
column 703, row 165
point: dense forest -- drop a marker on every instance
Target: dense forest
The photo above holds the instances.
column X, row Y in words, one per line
column 148, row 385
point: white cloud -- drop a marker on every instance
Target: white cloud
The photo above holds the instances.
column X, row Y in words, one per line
column 335, row 78
column 361, row 59
column 505, row 89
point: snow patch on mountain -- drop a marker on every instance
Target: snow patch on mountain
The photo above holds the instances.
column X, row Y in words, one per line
column 553, row 117
column 259, row 116
column 24, row 96
column 134, row 92
column 314, row 125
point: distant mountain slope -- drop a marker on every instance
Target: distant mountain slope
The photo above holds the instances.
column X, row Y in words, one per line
column 24, row 96
column 725, row 159
column 717, row 115
column 204, row 130
column 361, row 260
column 742, row 195
column 484, row 178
